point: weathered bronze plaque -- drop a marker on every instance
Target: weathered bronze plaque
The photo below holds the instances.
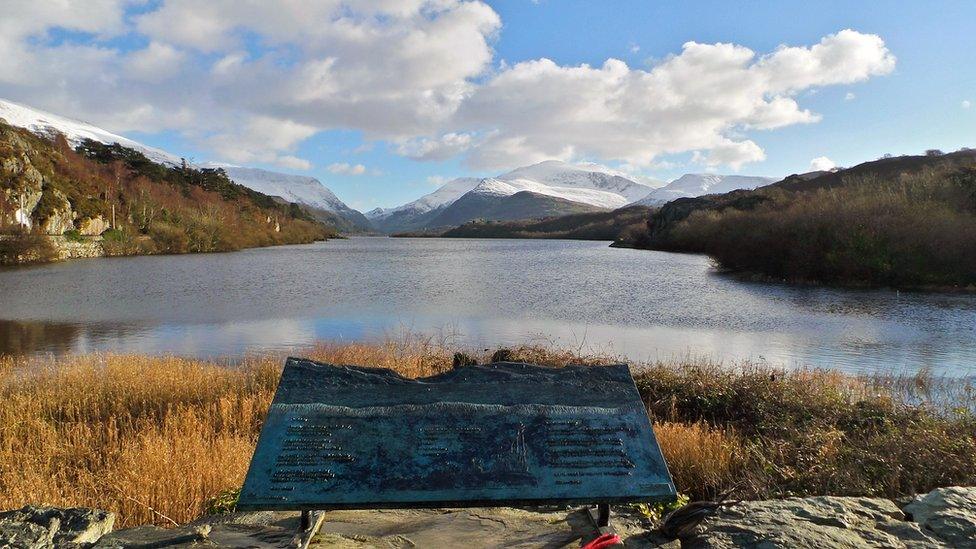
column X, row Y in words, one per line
column 342, row 437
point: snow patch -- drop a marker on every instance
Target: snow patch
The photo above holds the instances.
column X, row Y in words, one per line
column 75, row 131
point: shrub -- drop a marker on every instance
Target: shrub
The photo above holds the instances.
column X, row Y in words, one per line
column 169, row 238
column 16, row 248
column 74, row 235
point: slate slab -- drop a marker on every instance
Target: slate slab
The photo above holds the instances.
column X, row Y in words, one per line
column 345, row 437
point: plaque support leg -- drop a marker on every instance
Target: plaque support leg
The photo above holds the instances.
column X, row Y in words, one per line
column 600, row 515
column 308, row 525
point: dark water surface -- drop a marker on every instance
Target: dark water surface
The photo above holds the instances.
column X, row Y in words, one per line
column 476, row 293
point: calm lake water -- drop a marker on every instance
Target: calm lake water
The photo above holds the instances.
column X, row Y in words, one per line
column 478, row 294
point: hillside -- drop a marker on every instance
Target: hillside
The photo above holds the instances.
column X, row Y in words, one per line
column 584, row 226
column 47, row 188
column 307, row 191
column 901, row 222
column 319, row 201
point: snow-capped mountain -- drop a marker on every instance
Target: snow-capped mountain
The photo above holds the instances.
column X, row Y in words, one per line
column 75, row 131
column 299, row 189
column 698, row 184
column 414, row 215
column 303, row 190
column 563, row 178
column 591, row 185
column 444, row 195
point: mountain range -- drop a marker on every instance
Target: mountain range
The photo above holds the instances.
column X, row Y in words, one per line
column 547, row 189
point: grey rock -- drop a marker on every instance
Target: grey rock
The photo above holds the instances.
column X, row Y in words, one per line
column 32, row 526
column 61, row 218
column 25, row 535
column 93, row 226
column 475, row 527
column 949, row 513
column 818, row 522
column 153, row 537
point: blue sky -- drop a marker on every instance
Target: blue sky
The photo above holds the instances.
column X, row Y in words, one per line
column 248, row 93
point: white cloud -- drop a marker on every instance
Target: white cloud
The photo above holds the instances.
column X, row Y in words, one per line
column 418, row 74
column 347, row 169
column 734, row 154
column 156, row 63
column 822, row 164
column 437, row 180
column 441, row 148
column 634, row 48
column 849, row 96
column 966, row 104
column 293, row 162
column 697, row 100
column 261, row 139
column 395, row 70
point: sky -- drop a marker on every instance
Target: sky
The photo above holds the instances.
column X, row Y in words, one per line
column 383, row 100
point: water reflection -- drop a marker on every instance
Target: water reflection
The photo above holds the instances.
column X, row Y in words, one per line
column 478, row 293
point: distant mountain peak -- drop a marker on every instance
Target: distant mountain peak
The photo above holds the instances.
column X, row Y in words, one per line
column 692, row 185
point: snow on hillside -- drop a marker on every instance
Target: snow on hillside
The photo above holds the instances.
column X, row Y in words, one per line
column 593, row 197
column 698, row 184
column 299, row 189
column 75, row 131
column 590, row 184
column 562, row 175
column 445, row 195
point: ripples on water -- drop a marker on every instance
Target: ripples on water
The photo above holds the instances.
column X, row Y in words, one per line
column 640, row 304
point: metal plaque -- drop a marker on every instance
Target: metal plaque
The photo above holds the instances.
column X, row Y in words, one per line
column 344, row 437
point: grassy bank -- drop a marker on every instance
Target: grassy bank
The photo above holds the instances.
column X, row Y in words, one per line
column 155, row 439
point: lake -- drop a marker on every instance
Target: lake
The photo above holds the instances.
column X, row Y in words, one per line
column 476, row 294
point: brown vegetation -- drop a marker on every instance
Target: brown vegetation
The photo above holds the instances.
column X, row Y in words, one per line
column 919, row 230
column 154, row 438
column 901, row 222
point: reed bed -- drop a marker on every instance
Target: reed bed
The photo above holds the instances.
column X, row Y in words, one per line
column 154, row 439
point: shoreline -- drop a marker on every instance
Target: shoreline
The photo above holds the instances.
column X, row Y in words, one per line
column 92, row 247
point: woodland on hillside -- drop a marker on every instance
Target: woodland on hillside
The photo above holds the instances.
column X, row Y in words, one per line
column 905, row 222
column 135, row 205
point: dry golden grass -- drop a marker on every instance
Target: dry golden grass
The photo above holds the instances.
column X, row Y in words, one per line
column 703, row 456
column 149, row 438
column 154, row 438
